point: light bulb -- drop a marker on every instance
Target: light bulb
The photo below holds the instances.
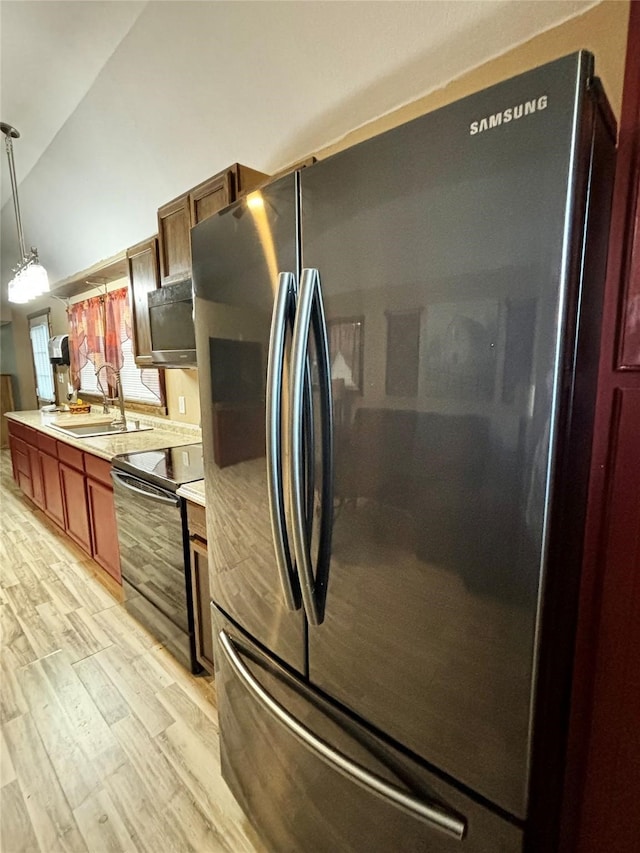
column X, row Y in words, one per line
column 28, row 283
column 17, row 293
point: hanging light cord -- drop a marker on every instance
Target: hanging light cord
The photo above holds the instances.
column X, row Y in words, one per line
column 29, row 276
column 10, row 134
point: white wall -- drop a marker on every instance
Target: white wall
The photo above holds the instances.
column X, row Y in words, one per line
column 195, row 86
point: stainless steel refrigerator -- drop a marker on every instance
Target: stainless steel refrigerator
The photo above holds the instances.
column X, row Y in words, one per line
column 397, row 351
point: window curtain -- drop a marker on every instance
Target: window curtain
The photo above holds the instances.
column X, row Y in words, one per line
column 96, row 327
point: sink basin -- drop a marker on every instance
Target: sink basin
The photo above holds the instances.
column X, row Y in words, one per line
column 86, row 430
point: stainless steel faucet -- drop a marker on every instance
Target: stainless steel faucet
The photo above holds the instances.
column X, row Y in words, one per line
column 120, row 420
column 105, row 400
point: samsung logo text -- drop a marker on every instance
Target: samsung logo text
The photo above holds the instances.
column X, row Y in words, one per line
column 510, row 114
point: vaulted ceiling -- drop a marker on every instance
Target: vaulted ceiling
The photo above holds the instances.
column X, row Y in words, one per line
column 122, row 105
column 51, row 55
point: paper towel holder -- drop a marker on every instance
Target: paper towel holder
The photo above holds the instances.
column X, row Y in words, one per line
column 59, row 349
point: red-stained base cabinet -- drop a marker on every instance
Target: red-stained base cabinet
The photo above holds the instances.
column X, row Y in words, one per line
column 72, row 487
column 76, row 511
column 52, row 489
column 104, row 532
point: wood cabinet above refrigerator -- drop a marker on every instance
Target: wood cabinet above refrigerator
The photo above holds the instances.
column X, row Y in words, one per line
column 177, row 217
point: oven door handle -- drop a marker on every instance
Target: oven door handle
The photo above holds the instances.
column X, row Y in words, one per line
column 154, row 493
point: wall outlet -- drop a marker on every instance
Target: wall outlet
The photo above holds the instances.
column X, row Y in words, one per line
column 182, row 406
column 61, row 379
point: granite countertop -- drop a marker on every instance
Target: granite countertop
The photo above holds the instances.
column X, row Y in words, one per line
column 164, row 433
column 193, row 492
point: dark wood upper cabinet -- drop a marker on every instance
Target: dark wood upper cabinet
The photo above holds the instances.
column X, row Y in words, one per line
column 177, row 217
column 245, row 179
column 142, row 262
column 174, row 224
column 210, row 196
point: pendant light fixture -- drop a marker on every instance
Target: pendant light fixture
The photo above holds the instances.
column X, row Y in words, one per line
column 29, row 276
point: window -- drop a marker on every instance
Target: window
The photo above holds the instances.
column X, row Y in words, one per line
column 139, row 386
column 100, row 335
column 39, row 334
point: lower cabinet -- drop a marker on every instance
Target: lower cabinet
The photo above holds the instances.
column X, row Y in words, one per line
column 52, row 488
column 76, row 510
column 74, row 494
column 200, row 585
column 37, row 487
column 102, row 516
column 72, row 487
column 20, row 461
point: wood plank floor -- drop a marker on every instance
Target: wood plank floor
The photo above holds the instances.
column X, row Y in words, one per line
column 106, row 743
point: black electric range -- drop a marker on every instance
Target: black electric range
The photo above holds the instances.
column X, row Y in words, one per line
column 154, row 546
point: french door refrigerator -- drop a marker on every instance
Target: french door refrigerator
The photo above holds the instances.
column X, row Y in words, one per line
column 397, row 352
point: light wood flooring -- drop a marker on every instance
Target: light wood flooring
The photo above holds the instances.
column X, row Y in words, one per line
column 107, row 744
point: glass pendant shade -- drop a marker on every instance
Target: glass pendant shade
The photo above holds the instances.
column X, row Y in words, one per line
column 29, row 282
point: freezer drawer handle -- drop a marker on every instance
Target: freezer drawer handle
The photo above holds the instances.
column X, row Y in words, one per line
column 286, row 293
column 310, row 308
column 435, row 816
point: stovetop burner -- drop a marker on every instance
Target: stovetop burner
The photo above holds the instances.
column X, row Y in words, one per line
column 169, row 467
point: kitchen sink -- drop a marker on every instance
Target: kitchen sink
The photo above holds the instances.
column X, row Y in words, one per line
column 86, row 430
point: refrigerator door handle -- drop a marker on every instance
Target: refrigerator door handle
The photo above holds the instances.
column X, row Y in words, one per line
column 282, row 309
column 313, row 588
column 431, row 813
column 323, row 561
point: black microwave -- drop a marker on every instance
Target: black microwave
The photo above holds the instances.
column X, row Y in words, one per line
column 173, row 334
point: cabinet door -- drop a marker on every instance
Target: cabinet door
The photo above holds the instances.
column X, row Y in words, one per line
column 14, row 458
column 245, row 179
column 104, row 532
column 211, row 196
column 21, row 465
column 177, row 217
column 76, row 514
column 630, row 356
column 52, row 489
column 174, row 223
column 36, row 476
column 201, row 603
column 142, row 261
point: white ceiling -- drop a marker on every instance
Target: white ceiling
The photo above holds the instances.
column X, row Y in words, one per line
column 123, row 105
column 51, row 54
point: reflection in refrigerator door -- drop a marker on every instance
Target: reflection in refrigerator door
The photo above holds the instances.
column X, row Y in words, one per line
column 396, row 556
